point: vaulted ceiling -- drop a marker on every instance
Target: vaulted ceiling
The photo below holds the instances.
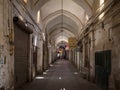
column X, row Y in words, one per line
column 62, row 19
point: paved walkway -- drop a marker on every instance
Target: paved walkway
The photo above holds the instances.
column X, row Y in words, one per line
column 61, row 76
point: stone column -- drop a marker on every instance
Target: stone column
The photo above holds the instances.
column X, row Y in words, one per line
column 78, row 58
column 45, row 55
column 40, row 57
column 92, row 58
column 83, row 62
column 6, row 46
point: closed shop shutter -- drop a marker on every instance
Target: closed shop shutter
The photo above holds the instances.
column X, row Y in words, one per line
column 21, row 56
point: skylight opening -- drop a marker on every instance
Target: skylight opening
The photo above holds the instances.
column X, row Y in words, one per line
column 25, row 1
column 101, row 7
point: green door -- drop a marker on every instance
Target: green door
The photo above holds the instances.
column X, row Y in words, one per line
column 102, row 68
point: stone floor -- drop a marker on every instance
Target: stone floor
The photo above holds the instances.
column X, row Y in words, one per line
column 62, row 75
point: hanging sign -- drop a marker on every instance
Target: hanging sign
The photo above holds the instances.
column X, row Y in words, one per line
column 72, row 42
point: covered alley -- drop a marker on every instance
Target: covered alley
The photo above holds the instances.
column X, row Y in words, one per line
column 62, row 75
column 60, row 44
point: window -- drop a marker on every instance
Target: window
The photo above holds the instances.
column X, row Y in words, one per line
column 38, row 16
column 101, row 15
column 87, row 18
column 101, row 7
column 101, row 2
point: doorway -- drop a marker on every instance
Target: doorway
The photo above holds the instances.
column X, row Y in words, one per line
column 102, row 68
